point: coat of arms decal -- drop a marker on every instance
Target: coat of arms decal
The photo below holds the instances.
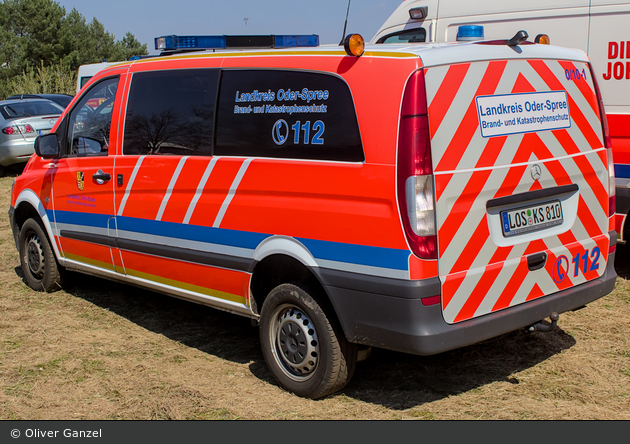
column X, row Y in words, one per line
column 80, row 180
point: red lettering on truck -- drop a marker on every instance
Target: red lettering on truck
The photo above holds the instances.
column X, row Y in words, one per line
column 618, row 70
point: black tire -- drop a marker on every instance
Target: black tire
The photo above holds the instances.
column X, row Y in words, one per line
column 39, row 265
column 304, row 348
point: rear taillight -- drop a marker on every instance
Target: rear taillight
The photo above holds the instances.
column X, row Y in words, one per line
column 18, row 129
column 612, row 248
column 416, row 197
column 612, row 193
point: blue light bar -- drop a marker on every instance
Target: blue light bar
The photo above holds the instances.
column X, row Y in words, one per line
column 174, row 42
column 288, row 41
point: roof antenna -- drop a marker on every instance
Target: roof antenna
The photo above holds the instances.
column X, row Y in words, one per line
column 345, row 24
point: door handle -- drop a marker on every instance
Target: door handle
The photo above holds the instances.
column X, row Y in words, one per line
column 101, row 177
column 536, row 261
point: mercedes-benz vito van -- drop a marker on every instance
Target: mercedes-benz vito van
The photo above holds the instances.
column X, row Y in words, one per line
column 417, row 199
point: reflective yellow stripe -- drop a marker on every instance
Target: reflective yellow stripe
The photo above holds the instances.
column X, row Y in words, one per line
column 88, row 261
column 189, row 287
column 162, row 280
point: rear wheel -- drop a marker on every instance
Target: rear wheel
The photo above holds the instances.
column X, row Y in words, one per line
column 304, row 348
column 39, row 265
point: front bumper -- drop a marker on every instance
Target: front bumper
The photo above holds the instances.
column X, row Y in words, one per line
column 396, row 319
column 13, row 226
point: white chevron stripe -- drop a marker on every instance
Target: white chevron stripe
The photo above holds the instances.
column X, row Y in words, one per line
column 592, row 115
column 171, row 186
column 130, row 185
column 199, row 191
column 231, row 193
column 455, row 114
column 433, row 80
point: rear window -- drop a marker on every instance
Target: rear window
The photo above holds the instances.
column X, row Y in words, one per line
column 286, row 114
column 29, row 109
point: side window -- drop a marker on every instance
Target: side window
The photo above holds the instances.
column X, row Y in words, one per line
column 90, row 121
column 171, row 112
column 286, row 114
column 84, row 80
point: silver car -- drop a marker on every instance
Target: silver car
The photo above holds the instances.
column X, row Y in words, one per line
column 21, row 121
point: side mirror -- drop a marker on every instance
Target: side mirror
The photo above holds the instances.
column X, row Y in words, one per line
column 47, row 146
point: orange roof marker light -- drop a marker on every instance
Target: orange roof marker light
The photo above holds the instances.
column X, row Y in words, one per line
column 543, row 39
column 354, row 44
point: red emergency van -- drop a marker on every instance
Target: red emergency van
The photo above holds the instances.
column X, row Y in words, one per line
column 417, row 199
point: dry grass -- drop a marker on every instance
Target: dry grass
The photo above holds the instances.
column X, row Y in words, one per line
column 101, row 350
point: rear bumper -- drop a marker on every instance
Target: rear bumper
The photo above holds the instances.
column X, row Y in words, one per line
column 16, row 151
column 404, row 324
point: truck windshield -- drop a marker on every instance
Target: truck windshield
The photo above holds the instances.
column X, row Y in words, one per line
column 416, row 35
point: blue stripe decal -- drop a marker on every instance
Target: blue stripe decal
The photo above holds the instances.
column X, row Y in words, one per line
column 77, row 218
column 358, row 254
column 325, row 250
column 622, row 171
column 221, row 236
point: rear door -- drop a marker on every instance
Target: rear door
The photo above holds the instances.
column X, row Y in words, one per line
column 521, row 181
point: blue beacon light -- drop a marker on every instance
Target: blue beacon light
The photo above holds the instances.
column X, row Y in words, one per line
column 468, row 33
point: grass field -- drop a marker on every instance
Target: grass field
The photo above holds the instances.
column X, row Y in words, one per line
column 102, row 350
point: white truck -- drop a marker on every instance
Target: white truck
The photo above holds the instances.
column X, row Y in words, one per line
column 86, row 72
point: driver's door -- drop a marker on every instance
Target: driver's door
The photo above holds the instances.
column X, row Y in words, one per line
column 83, row 181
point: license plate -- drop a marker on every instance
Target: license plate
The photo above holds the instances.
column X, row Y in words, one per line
column 531, row 218
column 42, row 132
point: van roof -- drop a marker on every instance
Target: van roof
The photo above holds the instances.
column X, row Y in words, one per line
column 431, row 54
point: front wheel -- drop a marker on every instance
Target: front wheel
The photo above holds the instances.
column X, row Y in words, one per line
column 39, row 265
column 304, row 349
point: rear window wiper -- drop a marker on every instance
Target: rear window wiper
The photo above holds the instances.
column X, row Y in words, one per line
column 23, row 114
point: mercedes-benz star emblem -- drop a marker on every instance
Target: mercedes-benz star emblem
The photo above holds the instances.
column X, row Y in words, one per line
column 536, row 171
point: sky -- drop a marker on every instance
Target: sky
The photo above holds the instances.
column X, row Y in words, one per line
column 149, row 19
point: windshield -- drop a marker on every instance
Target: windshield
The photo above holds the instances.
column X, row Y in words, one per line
column 29, row 109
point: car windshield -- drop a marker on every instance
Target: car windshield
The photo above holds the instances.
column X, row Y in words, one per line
column 29, row 109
